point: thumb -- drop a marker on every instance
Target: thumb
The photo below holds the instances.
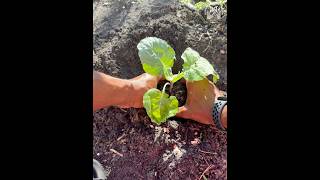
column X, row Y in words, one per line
column 183, row 113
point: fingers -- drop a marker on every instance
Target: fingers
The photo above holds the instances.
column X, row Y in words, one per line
column 183, row 113
column 138, row 77
column 198, row 84
column 146, row 76
column 160, row 78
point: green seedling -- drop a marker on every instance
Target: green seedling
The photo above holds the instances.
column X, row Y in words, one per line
column 196, row 68
column 159, row 105
column 157, row 58
column 201, row 5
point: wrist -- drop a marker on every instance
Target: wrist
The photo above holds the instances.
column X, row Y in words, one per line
column 220, row 113
column 224, row 119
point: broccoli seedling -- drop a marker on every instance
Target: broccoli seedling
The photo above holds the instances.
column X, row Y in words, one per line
column 196, row 68
column 157, row 58
column 159, row 105
column 201, row 5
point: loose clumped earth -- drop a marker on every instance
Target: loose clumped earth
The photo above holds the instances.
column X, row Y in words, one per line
column 178, row 149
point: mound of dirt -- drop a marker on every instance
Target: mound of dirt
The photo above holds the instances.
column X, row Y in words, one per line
column 178, row 149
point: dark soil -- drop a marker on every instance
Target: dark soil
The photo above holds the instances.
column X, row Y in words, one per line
column 179, row 90
column 179, row 148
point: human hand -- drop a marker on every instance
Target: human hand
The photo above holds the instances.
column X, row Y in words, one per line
column 140, row 85
column 200, row 100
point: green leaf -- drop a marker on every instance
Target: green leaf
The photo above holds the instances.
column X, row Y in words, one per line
column 186, row 1
column 215, row 77
column 177, row 77
column 195, row 67
column 172, row 77
column 159, row 105
column 202, row 5
column 155, row 55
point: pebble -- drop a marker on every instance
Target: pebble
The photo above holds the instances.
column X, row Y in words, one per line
column 166, row 130
column 196, row 141
column 173, row 124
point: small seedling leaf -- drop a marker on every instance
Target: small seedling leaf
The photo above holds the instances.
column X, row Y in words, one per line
column 201, row 5
column 159, row 105
column 172, row 77
column 155, row 55
column 195, row 67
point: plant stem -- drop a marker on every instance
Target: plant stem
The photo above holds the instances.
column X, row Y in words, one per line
column 163, row 91
column 164, row 88
column 171, row 87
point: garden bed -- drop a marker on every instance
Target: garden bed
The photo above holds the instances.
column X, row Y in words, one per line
column 179, row 148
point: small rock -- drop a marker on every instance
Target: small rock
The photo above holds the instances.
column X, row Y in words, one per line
column 173, row 124
column 196, row 141
column 166, row 130
column 222, row 51
column 157, row 133
column 178, row 152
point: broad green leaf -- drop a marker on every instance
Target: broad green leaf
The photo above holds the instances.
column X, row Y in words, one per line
column 195, row 67
column 159, row 105
column 155, row 55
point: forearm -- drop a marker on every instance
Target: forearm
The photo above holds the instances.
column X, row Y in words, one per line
column 108, row 91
